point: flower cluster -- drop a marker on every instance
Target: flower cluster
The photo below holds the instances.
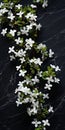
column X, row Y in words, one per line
column 20, row 25
column 43, row 2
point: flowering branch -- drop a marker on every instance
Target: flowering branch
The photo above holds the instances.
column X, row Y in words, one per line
column 20, row 25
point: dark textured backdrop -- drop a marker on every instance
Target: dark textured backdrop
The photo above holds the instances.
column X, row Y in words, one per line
column 53, row 35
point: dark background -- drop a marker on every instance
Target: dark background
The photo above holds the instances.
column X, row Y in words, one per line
column 53, row 35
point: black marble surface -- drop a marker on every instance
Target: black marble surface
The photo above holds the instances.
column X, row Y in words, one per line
column 53, row 35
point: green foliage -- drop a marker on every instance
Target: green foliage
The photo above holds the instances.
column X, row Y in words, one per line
column 14, row 1
column 50, row 72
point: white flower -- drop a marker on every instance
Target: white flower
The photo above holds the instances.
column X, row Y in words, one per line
column 22, row 60
column 40, row 74
column 46, row 122
column 31, row 17
column 57, row 68
column 35, row 80
column 12, row 57
column 20, row 14
column 12, row 32
column 36, row 61
column 46, row 96
column 22, row 73
column 18, row 6
column 11, row 49
column 4, row 10
column 23, row 89
column 29, row 43
column 4, row 31
column 29, row 27
column 32, row 23
column 24, row 31
column 33, row 6
column 18, row 103
column 11, row 17
column 50, row 79
column 20, row 84
column 32, row 111
column 48, row 86
column 51, row 53
column 26, row 100
column 18, row 67
column 50, row 109
column 38, row 27
column 40, row 46
column 21, row 53
column 1, row 4
column 36, row 123
column 29, row 111
column 53, row 66
column 27, row 81
column 57, row 80
column 45, row 3
column 18, row 40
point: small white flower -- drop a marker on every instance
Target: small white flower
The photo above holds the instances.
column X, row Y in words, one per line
column 36, row 123
column 35, row 80
column 18, row 40
column 22, row 60
column 11, row 49
column 12, row 32
column 20, row 84
column 1, row 4
column 27, row 81
column 4, row 31
column 23, row 89
column 12, row 57
column 31, row 17
column 21, row 53
column 29, row 27
column 18, row 6
column 57, row 80
column 45, row 3
column 46, row 96
column 29, row 43
column 24, row 31
column 57, row 68
column 40, row 74
column 40, row 46
column 33, row 6
column 26, row 100
column 20, row 14
column 36, row 61
column 38, row 27
column 46, row 122
column 18, row 67
column 22, row 73
column 53, row 66
column 50, row 79
column 51, row 53
column 48, row 86
column 50, row 109
column 4, row 10
column 11, row 17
